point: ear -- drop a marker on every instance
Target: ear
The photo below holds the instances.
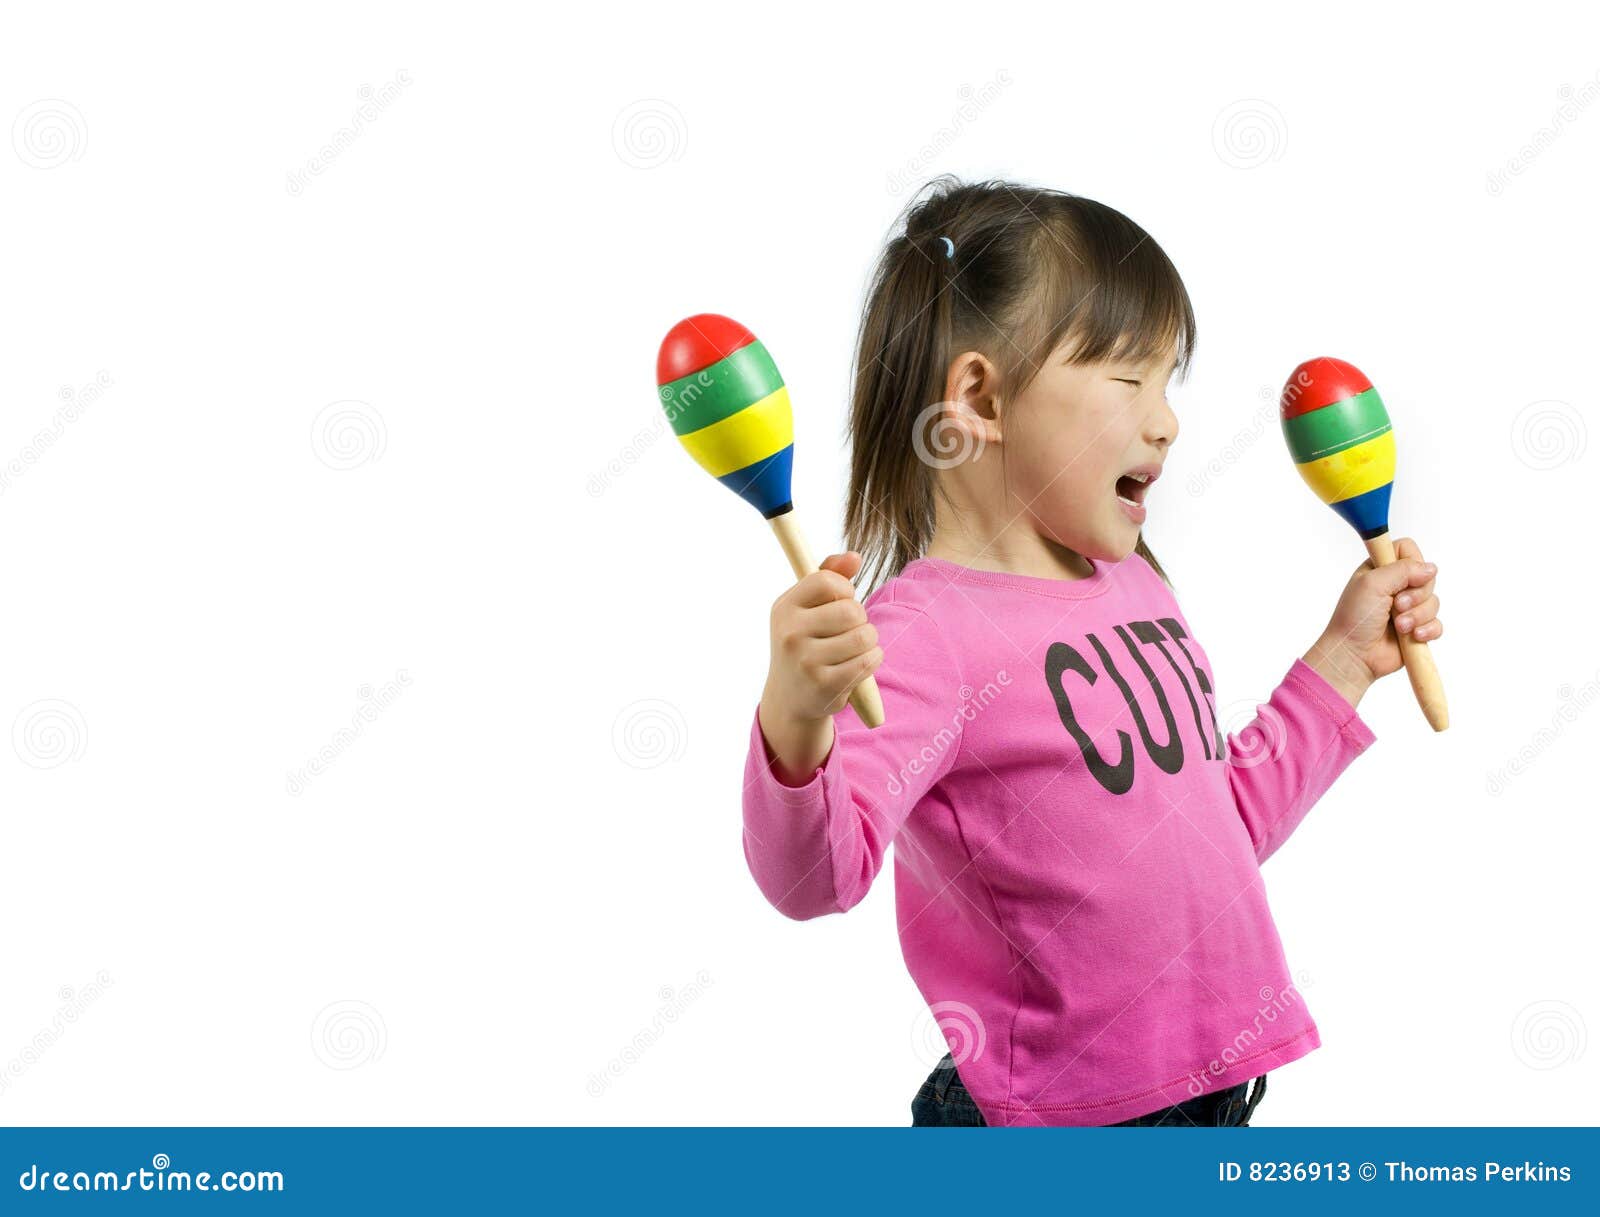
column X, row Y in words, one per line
column 971, row 404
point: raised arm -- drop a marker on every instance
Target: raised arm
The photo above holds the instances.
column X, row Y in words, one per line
column 816, row 828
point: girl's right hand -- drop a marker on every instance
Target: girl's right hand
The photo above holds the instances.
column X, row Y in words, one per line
column 823, row 646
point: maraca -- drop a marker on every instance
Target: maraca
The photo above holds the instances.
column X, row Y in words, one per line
column 728, row 406
column 1343, row 445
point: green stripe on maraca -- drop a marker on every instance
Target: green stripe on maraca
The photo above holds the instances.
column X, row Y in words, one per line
column 1332, row 428
column 717, row 392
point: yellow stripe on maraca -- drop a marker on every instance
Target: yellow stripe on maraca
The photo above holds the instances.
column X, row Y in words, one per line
column 753, row 434
column 1352, row 471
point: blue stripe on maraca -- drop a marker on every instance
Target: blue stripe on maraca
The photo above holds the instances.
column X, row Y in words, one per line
column 1367, row 513
column 765, row 484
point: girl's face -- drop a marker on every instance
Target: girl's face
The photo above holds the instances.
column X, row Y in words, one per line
column 1077, row 441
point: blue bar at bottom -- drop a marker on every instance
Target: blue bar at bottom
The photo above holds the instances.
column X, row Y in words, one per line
column 813, row 1171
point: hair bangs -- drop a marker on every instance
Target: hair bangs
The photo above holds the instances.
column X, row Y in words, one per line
column 1107, row 293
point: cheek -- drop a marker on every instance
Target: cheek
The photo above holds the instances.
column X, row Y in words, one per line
column 1070, row 501
column 1056, row 481
column 1063, row 465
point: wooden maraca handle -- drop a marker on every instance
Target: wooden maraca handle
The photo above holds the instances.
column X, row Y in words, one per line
column 864, row 697
column 1418, row 659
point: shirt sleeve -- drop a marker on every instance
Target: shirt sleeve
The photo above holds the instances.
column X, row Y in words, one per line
column 816, row 848
column 1280, row 763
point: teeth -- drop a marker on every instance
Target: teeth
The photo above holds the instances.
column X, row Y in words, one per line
column 1140, row 477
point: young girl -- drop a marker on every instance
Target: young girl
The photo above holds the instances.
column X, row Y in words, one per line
column 1076, row 846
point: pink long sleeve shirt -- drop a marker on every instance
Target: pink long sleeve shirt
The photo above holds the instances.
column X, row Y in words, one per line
column 1077, row 837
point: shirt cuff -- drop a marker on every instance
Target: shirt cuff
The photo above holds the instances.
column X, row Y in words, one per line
column 767, row 776
column 1336, row 705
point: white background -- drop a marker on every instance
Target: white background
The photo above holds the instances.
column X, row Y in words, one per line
column 527, row 867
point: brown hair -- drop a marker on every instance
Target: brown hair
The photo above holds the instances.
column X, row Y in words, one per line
column 1010, row 271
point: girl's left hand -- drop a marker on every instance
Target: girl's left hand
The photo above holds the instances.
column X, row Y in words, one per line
column 1379, row 601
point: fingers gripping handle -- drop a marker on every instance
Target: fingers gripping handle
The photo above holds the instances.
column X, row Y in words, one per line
column 1418, row 659
column 864, row 697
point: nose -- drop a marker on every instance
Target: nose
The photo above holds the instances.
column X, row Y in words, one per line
column 1162, row 428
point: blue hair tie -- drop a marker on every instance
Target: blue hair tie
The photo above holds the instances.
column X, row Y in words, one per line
column 949, row 247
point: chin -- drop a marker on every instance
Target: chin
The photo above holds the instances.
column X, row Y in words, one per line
column 1115, row 547
column 1125, row 551
column 1109, row 545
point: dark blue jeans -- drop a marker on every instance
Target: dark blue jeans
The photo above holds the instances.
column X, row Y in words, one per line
column 943, row 1101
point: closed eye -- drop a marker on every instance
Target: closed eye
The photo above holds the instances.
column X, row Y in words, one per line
column 1126, row 381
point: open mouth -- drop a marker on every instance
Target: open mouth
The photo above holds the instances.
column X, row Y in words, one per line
column 1132, row 488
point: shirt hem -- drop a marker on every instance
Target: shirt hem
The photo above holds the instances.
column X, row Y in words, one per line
column 1098, row 1112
